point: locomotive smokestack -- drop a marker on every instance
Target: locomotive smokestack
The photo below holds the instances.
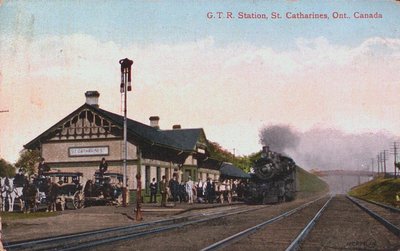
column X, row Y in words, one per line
column 265, row 151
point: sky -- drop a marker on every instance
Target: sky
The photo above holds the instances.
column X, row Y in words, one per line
column 230, row 76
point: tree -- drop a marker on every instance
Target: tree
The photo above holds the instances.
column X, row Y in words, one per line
column 28, row 160
column 217, row 152
column 243, row 162
column 6, row 169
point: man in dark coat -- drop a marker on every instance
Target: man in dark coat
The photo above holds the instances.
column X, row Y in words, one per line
column 174, row 187
column 29, row 194
column 103, row 167
column 163, row 191
column 210, row 191
column 153, row 191
column 19, row 179
column 53, row 191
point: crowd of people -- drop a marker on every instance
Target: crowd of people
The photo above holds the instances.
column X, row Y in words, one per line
column 201, row 191
column 208, row 191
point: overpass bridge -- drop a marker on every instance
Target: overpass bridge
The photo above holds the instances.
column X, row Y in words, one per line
column 341, row 181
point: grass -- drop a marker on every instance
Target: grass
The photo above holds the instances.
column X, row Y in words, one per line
column 379, row 189
column 9, row 216
column 310, row 183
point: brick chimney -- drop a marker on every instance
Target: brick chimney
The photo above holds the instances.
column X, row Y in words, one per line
column 154, row 121
column 92, row 98
column 176, row 127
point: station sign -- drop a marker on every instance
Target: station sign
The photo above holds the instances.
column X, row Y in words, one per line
column 88, row 151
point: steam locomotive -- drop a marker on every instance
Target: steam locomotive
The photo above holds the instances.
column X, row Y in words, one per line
column 273, row 179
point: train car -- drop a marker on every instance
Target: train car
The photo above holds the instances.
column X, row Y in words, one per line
column 273, row 179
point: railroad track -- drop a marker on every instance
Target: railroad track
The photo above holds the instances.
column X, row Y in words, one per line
column 388, row 207
column 352, row 225
column 241, row 240
column 386, row 215
column 337, row 223
column 89, row 239
column 330, row 223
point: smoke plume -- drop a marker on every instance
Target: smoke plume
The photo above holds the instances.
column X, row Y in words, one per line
column 330, row 149
column 278, row 138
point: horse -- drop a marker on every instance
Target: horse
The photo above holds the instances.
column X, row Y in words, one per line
column 9, row 193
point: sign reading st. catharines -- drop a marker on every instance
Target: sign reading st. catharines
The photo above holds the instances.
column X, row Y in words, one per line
column 88, row 151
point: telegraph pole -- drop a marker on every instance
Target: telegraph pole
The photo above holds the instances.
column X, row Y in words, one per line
column 378, row 160
column 125, row 86
column 395, row 148
column 384, row 161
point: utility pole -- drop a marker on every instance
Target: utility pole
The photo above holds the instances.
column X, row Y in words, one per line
column 125, row 86
column 395, row 149
column 378, row 160
column 384, row 161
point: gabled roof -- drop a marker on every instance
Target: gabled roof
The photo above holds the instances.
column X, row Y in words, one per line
column 35, row 143
column 228, row 170
column 210, row 163
column 187, row 138
column 182, row 140
column 143, row 131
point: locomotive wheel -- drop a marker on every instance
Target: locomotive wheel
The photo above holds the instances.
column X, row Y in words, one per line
column 79, row 200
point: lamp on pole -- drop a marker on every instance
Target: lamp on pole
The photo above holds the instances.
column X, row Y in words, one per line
column 125, row 86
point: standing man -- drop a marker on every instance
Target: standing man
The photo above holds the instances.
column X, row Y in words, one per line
column 189, row 190
column 163, row 191
column 153, row 191
column 138, row 214
column 103, row 167
column 174, row 186
column 210, row 191
column 19, row 179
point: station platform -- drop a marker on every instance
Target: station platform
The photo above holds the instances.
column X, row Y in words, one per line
column 183, row 207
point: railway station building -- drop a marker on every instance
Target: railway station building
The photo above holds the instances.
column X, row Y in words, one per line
column 79, row 141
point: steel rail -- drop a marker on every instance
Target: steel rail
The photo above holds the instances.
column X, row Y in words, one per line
column 303, row 234
column 29, row 243
column 234, row 238
column 130, row 236
column 391, row 208
column 391, row 227
column 58, row 239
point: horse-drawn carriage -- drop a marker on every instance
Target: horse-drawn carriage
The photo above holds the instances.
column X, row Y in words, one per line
column 9, row 194
column 56, row 189
column 68, row 190
column 104, row 189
